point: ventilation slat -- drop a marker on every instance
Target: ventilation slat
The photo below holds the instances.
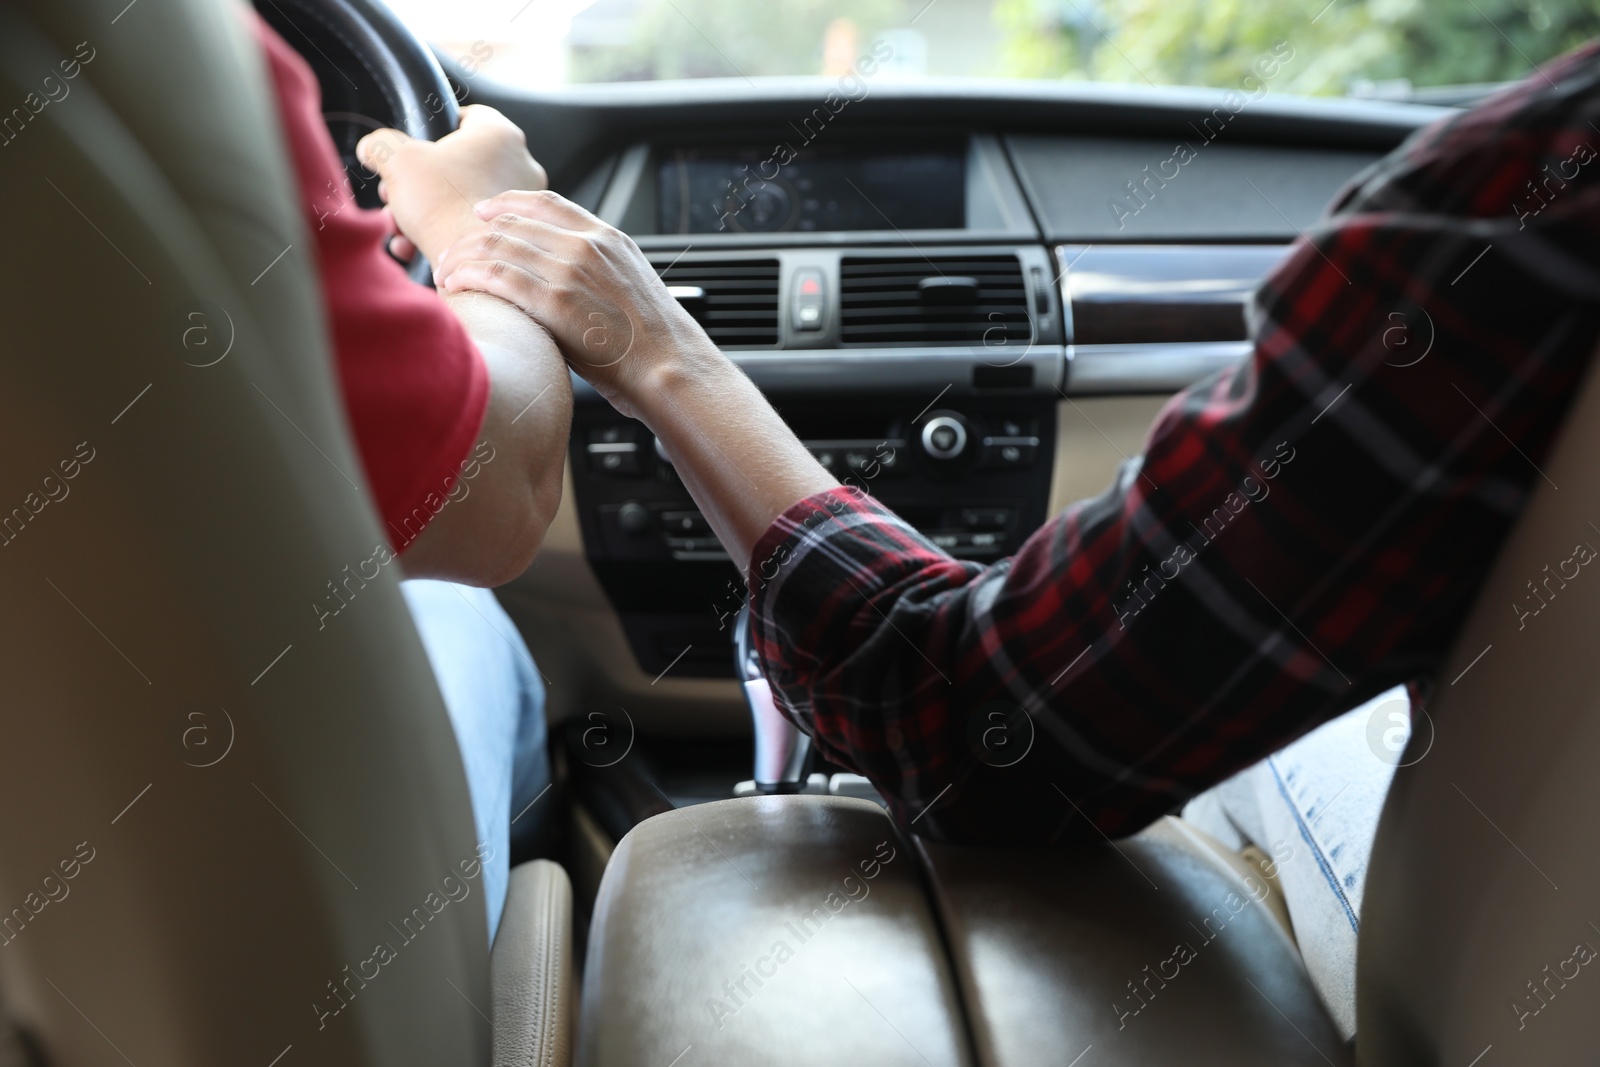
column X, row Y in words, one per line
column 881, row 302
column 740, row 306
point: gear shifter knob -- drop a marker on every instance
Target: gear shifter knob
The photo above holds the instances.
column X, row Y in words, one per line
column 781, row 749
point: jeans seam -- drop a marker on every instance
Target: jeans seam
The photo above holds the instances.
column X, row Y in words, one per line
column 1316, row 849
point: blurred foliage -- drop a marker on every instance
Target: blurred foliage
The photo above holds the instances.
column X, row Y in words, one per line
column 729, row 38
column 1337, row 46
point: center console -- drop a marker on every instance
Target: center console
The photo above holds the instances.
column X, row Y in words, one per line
column 897, row 301
column 972, row 473
column 804, row 929
column 890, row 295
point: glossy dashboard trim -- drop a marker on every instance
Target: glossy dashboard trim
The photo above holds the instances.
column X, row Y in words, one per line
column 1148, row 368
column 898, row 369
column 1159, row 287
column 1121, row 294
column 887, row 370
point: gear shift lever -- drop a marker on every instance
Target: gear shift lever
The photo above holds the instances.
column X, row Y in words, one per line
column 781, row 749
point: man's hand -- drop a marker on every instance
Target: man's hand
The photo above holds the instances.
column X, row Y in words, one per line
column 430, row 186
column 585, row 282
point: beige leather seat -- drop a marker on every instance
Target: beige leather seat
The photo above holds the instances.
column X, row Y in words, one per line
column 230, row 836
column 1479, row 930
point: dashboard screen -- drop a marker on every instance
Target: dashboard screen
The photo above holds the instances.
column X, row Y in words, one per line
column 762, row 191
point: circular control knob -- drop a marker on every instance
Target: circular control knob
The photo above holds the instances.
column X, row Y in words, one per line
column 634, row 517
column 944, row 437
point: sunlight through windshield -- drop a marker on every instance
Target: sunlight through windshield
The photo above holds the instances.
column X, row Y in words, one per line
column 1379, row 48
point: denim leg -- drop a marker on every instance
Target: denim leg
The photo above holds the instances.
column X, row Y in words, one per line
column 530, row 761
column 495, row 699
column 1313, row 808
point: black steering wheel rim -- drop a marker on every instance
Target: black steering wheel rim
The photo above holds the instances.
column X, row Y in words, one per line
column 374, row 73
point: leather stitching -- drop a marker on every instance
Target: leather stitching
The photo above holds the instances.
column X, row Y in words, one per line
column 531, row 997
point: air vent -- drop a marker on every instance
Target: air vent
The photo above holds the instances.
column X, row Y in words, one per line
column 933, row 300
column 736, row 300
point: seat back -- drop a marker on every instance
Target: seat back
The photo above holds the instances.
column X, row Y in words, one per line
column 233, row 833
column 1478, row 930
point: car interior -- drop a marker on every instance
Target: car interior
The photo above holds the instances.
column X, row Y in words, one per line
column 969, row 298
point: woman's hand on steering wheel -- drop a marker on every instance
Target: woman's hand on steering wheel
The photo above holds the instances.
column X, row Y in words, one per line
column 430, row 187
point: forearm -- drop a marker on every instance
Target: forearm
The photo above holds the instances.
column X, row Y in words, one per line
column 493, row 323
column 489, row 534
column 736, row 456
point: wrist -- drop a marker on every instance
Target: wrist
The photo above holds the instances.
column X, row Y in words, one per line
column 668, row 375
column 443, row 228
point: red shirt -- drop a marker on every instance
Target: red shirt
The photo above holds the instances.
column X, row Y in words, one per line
column 415, row 387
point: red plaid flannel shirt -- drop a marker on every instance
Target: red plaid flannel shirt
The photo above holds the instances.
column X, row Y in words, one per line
column 1301, row 532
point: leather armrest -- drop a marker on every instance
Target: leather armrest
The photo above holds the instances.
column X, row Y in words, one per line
column 1152, row 952
column 788, row 929
column 531, row 970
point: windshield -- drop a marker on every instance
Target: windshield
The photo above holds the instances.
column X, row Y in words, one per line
column 1382, row 48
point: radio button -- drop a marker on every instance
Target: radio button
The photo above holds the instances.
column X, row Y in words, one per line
column 684, row 523
column 1016, row 455
column 944, row 437
column 986, row 518
column 620, row 464
column 633, row 517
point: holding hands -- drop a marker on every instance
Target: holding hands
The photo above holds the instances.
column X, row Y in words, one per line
column 588, row 287
column 430, row 186
column 584, row 281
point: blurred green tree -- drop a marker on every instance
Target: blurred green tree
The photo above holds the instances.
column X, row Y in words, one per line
column 1337, row 45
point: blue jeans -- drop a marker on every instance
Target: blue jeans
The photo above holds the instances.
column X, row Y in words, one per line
column 1313, row 809
column 495, row 697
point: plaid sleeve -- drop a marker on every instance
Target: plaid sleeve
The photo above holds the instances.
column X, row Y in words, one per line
column 1299, row 534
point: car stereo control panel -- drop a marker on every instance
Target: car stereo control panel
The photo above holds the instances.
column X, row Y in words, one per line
column 973, row 475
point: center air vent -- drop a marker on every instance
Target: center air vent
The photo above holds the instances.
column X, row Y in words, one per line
column 933, row 300
column 735, row 300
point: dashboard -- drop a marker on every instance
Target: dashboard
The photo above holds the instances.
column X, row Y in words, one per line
column 949, row 294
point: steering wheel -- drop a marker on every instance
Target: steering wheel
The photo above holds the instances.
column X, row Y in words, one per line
column 374, row 72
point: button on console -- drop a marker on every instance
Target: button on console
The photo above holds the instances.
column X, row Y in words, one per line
column 618, row 460
column 986, row 518
column 1012, row 449
column 808, row 306
column 944, row 437
column 614, row 450
column 684, row 523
